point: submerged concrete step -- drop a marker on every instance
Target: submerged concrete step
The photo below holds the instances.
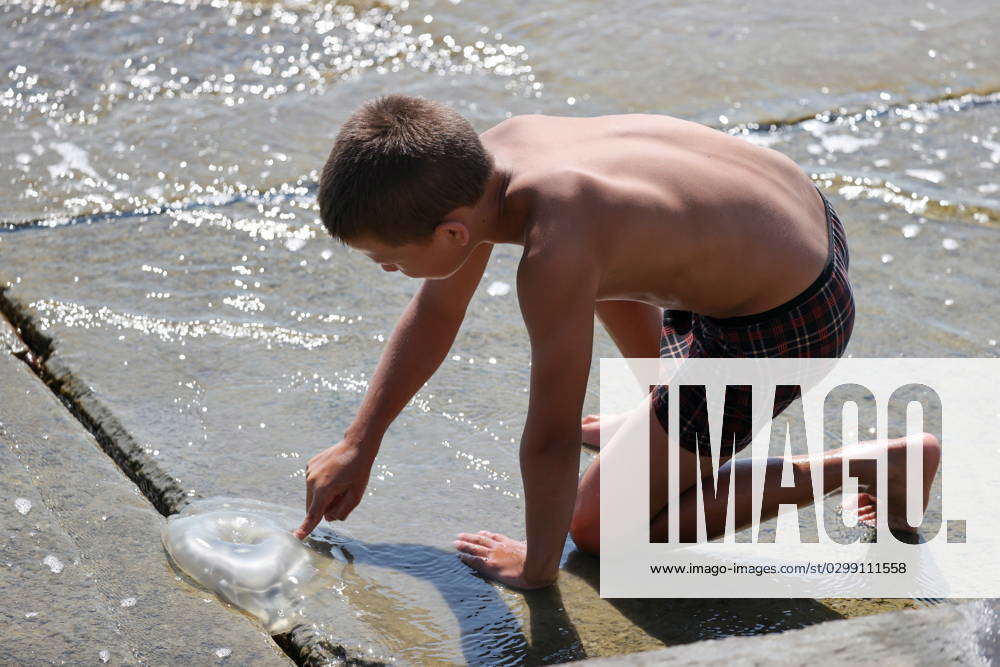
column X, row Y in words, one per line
column 83, row 576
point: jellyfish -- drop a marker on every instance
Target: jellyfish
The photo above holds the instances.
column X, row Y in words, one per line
column 244, row 551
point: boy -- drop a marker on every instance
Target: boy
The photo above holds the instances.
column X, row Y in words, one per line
column 622, row 216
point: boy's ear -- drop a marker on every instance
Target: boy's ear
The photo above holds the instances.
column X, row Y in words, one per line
column 454, row 231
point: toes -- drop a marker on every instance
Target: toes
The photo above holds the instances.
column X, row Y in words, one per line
column 863, row 507
column 859, row 503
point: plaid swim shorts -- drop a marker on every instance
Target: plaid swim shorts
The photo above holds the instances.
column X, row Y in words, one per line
column 816, row 323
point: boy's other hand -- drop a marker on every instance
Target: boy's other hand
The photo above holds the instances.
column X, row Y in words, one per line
column 498, row 557
column 336, row 479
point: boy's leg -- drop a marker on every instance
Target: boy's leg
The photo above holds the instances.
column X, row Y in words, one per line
column 893, row 498
column 585, row 527
column 636, row 328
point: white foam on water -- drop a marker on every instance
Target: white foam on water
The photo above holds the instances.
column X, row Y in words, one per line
column 498, row 288
column 74, row 158
column 54, row 563
column 931, row 175
column 23, row 505
column 763, row 139
column 295, row 243
column 846, row 143
column 244, row 551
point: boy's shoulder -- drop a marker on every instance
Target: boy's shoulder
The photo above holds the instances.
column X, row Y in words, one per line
column 560, row 231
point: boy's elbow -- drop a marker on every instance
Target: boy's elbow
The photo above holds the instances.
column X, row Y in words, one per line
column 549, row 447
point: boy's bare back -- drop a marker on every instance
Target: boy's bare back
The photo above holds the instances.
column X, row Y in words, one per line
column 668, row 212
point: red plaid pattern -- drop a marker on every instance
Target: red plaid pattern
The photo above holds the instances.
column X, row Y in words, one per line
column 816, row 323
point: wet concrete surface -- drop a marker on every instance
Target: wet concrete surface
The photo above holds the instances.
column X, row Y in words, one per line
column 82, row 574
column 217, row 348
column 250, row 396
column 966, row 634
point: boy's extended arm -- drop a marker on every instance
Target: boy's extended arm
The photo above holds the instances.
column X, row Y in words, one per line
column 336, row 478
column 557, row 299
column 559, row 314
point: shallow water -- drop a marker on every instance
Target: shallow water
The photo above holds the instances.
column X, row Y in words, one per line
column 156, row 178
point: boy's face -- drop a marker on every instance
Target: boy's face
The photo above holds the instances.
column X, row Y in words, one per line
column 437, row 257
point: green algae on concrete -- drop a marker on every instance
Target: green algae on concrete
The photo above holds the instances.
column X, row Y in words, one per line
column 82, row 574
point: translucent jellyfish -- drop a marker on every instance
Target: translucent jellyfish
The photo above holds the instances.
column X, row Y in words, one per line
column 244, row 551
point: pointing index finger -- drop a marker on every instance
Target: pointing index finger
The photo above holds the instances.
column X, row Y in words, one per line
column 313, row 516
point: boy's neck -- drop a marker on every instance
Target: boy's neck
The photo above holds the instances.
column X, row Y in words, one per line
column 502, row 222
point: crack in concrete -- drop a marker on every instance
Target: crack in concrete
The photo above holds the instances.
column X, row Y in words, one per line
column 159, row 487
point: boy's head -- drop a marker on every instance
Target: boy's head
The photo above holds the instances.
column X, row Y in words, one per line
column 398, row 171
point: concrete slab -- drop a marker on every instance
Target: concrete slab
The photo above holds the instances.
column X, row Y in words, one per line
column 966, row 634
column 82, row 572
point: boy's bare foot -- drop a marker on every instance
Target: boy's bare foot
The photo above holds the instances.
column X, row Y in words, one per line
column 865, row 504
column 591, row 426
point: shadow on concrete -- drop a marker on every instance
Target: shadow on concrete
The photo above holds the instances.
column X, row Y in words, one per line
column 685, row 620
column 492, row 632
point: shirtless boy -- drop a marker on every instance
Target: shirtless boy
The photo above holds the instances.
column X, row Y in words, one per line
column 683, row 240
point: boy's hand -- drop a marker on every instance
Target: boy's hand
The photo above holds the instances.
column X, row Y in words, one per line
column 335, row 483
column 498, row 557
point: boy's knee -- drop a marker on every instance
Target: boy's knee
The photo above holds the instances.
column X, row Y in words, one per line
column 586, row 534
column 932, row 448
column 930, row 440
